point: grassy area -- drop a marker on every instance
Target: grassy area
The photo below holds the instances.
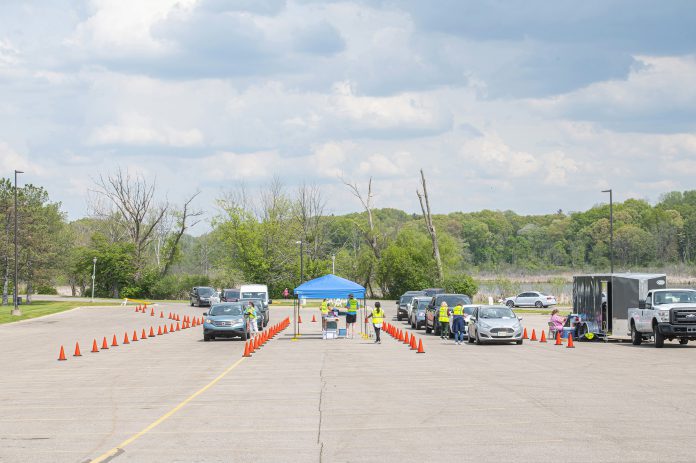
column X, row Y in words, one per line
column 41, row 308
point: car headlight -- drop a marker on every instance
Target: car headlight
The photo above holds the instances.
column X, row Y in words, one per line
column 208, row 321
column 421, row 314
column 663, row 315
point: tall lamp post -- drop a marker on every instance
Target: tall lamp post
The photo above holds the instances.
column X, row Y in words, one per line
column 16, row 310
column 333, row 264
column 611, row 226
column 301, row 243
column 94, row 274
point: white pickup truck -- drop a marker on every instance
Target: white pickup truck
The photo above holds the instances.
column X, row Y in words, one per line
column 666, row 314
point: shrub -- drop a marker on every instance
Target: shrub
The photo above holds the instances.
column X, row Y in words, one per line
column 45, row 289
column 461, row 284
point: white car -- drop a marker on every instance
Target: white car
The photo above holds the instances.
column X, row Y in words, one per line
column 531, row 299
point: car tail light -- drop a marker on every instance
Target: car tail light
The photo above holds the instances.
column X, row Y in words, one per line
column 548, row 298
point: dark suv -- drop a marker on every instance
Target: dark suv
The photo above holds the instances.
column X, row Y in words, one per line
column 403, row 302
column 432, row 312
column 200, row 295
column 230, row 295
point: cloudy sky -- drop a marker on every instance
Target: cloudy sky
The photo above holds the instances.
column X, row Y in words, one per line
column 533, row 106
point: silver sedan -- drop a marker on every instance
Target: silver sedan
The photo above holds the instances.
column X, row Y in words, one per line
column 494, row 324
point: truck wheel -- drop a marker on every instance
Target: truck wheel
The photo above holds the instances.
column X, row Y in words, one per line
column 683, row 341
column 636, row 337
column 659, row 338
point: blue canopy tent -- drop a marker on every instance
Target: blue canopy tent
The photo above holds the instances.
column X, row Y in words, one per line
column 327, row 287
column 330, row 287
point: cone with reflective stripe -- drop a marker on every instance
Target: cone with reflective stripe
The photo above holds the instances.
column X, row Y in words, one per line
column 135, row 336
column 524, row 334
column 570, row 341
column 533, row 338
column 95, row 347
column 77, row 350
column 558, row 339
column 61, row 355
column 125, row 339
column 105, row 344
column 543, row 336
column 420, row 347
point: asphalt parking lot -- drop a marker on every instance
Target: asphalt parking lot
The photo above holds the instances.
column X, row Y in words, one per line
column 177, row 398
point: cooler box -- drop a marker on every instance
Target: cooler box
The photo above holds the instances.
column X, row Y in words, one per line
column 566, row 331
column 342, row 332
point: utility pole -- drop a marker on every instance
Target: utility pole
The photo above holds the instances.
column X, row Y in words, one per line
column 94, row 274
column 301, row 243
column 333, row 264
column 611, row 226
column 16, row 311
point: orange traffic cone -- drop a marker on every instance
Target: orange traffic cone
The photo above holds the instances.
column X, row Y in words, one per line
column 543, row 336
column 137, row 308
column 161, row 314
column 177, row 326
column 114, row 343
column 95, row 348
column 524, row 334
column 135, row 336
column 570, row 341
column 77, row 350
column 314, row 320
column 299, row 318
column 105, row 345
column 420, row 347
column 165, row 329
column 246, row 350
column 533, row 338
column 159, row 331
column 413, row 343
column 125, row 339
column 406, row 340
column 152, row 332
column 251, row 346
column 61, row 355
column 152, row 312
column 170, row 316
column 143, row 335
column 558, row 339
column 171, row 328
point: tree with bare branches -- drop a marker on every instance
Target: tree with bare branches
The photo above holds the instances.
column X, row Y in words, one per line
column 186, row 218
column 428, row 217
column 132, row 200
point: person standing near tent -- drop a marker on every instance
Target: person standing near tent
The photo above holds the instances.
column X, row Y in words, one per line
column 444, row 320
column 377, row 316
column 250, row 315
column 352, row 306
column 324, row 313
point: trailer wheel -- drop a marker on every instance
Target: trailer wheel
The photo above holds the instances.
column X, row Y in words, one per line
column 659, row 338
column 636, row 337
column 683, row 341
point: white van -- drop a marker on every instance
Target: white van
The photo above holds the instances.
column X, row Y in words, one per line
column 255, row 291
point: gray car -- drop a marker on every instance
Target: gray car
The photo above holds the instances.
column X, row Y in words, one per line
column 225, row 320
column 402, row 303
column 494, row 324
column 416, row 311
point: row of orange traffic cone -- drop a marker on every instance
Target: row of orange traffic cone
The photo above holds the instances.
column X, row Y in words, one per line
column 143, row 309
column 559, row 341
column 259, row 340
column 187, row 323
column 404, row 337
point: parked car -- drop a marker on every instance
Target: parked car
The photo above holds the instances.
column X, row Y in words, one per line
column 230, row 295
column 264, row 315
column 531, row 299
column 416, row 311
column 200, row 295
column 468, row 311
column 403, row 302
column 255, row 291
column 494, row 324
column 432, row 313
column 225, row 320
column 430, row 292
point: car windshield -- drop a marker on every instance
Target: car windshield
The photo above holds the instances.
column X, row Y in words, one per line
column 406, row 299
column 226, row 309
column 257, row 303
column 674, row 297
column 452, row 300
column 423, row 304
column 496, row 312
column 231, row 293
column 205, row 291
column 253, row 295
column 469, row 310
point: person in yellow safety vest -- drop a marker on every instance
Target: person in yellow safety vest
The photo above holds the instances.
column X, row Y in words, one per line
column 324, row 313
column 458, row 323
column 444, row 320
column 352, row 306
column 250, row 315
column 377, row 316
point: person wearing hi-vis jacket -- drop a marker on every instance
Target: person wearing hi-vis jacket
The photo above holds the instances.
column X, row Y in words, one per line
column 352, row 307
column 377, row 316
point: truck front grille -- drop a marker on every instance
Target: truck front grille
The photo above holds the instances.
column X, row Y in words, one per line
column 684, row 316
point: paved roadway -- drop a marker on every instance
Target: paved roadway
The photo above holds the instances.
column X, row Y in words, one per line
column 336, row 400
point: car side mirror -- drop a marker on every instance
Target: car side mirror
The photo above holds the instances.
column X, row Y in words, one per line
column 205, row 313
column 472, row 319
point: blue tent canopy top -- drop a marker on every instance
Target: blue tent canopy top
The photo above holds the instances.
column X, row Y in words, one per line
column 330, row 287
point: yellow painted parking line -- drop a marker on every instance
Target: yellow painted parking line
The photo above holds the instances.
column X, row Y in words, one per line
column 119, row 449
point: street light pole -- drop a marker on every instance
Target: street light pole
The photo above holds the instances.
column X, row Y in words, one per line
column 611, row 226
column 16, row 311
column 333, row 264
column 301, row 243
column 94, row 274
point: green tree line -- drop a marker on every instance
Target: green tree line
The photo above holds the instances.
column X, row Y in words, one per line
column 145, row 249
